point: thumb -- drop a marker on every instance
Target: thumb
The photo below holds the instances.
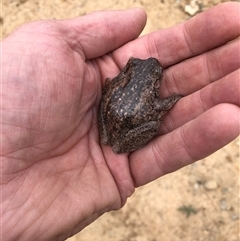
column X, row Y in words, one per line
column 101, row 32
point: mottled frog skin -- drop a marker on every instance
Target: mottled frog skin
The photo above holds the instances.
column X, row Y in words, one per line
column 131, row 110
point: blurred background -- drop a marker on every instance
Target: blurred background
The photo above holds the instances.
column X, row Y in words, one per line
column 197, row 203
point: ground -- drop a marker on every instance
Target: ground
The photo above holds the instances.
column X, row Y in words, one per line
column 197, row 203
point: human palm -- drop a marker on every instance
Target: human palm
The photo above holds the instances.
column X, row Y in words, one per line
column 56, row 176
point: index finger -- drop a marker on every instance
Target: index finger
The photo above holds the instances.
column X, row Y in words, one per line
column 202, row 33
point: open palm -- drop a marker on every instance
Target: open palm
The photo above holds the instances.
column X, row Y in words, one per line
column 56, row 176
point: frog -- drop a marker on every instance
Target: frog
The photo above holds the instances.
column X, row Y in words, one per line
column 131, row 110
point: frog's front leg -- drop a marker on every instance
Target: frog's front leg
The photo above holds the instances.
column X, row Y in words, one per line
column 168, row 102
column 136, row 138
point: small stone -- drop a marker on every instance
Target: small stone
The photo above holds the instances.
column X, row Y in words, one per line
column 192, row 8
column 223, row 204
column 211, row 185
column 234, row 216
column 196, row 186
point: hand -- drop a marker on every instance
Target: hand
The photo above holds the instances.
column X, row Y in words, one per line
column 56, row 177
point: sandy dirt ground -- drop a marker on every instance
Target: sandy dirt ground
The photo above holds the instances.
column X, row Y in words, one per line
column 208, row 190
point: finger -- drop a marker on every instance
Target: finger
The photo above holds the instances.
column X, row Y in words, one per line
column 193, row 141
column 225, row 90
column 197, row 72
column 203, row 32
column 101, row 32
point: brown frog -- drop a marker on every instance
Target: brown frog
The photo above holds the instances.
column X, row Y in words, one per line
column 130, row 110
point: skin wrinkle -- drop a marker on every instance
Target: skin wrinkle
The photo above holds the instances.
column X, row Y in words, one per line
column 235, row 62
column 12, row 175
column 116, row 182
column 219, row 63
column 169, row 52
column 176, row 46
column 48, row 154
column 176, row 85
column 169, row 124
column 36, row 220
column 110, row 35
column 150, row 46
column 159, row 158
column 9, row 154
column 203, row 71
column 102, row 193
column 78, row 47
column 203, row 104
column 48, row 57
column 111, row 55
column 185, row 145
column 14, row 193
column 17, row 218
column 207, row 66
column 84, row 36
column 188, row 40
column 169, row 84
column 88, row 85
column 30, row 129
column 123, row 183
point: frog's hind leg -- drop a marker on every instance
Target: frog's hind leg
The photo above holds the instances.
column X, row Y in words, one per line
column 136, row 138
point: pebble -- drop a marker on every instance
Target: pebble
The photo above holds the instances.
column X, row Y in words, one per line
column 210, row 185
column 192, row 8
column 223, row 204
column 234, row 216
